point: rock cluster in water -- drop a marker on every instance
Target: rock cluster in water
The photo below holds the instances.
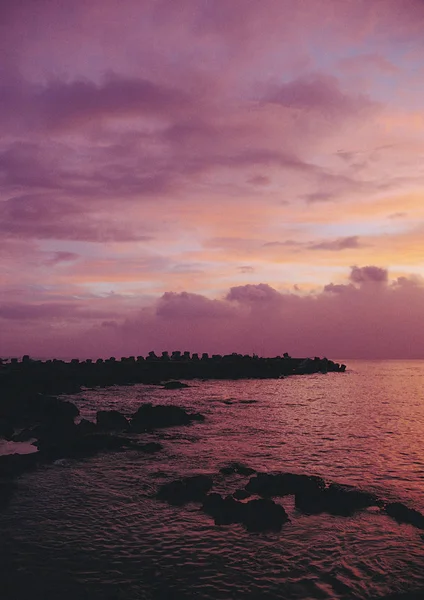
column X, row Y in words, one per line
column 51, row 423
column 312, row 496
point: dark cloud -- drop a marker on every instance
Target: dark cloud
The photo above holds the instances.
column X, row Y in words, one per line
column 246, row 269
column 345, row 243
column 261, row 292
column 44, row 217
column 260, row 180
column 191, row 306
column 62, row 257
column 319, row 93
column 398, row 215
column 368, row 274
column 62, row 104
column 285, row 244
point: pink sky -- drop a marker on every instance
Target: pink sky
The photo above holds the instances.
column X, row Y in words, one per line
column 212, row 176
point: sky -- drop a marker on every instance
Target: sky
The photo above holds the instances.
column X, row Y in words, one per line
column 212, row 176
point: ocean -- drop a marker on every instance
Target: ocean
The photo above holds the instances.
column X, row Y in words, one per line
column 92, row 529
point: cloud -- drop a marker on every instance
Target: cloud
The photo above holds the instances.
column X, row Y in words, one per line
column 398, row 215
column 249, row 293
column 62, row 257
column 345, row 243
column 320, row 93
column 43, row 216
column 191, row 306
column 355, row 319
column 79, row 102
column 369, row 275
column 259, row 180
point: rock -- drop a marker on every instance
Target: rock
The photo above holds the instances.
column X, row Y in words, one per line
column 49, row 408
column 403, row 514
column 224, row 511
column 282, row 484
column 7, row 488
column 236, row 467
column 241, row 494
column 264, row 515
column 175, row 385
column 12, row 465
column 149, row 416
column 80, row 446
column 149, row 448
column 255, row 515
column 336, row 499
column 188, row 489
column 24, row 436
column 112, row 420
column 6, row 429
column 85, row 427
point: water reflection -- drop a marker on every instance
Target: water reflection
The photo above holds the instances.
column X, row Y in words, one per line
column 91, row 529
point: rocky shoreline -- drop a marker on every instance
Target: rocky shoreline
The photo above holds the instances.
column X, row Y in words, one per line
column 29, row 412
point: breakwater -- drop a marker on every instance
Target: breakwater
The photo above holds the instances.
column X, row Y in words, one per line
column 58, row 376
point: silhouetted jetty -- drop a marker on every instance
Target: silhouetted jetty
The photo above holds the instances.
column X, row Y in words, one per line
column 57, row 376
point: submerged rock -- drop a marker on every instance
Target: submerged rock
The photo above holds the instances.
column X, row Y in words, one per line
column 403, row 514
column 175, row 385
column 112, row 420
column 188, row 489
column 255, row 515
column 149, row 416
column 283, row 484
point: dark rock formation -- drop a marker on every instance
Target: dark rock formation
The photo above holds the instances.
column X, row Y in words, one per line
column 7, row 488
column 44, row 409
column 335, row 499
column 12, row 465
column 24, row 435
column 282, row 484
column 111, row 420
column 236, row 467
column 86, row 427
column 175, row 385
column 6, row 429
column 255, row 515
column 188, row 489
column 149, row 417
column 79, row 446
column 224, row 511
column 403, row 514
column 149, row 448
column 264, row 515
column 241, row 494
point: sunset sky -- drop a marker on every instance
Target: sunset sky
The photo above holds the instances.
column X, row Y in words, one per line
column 212, row 176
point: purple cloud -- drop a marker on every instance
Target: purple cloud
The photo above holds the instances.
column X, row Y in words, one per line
column 345, row 243
column 369, row 274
